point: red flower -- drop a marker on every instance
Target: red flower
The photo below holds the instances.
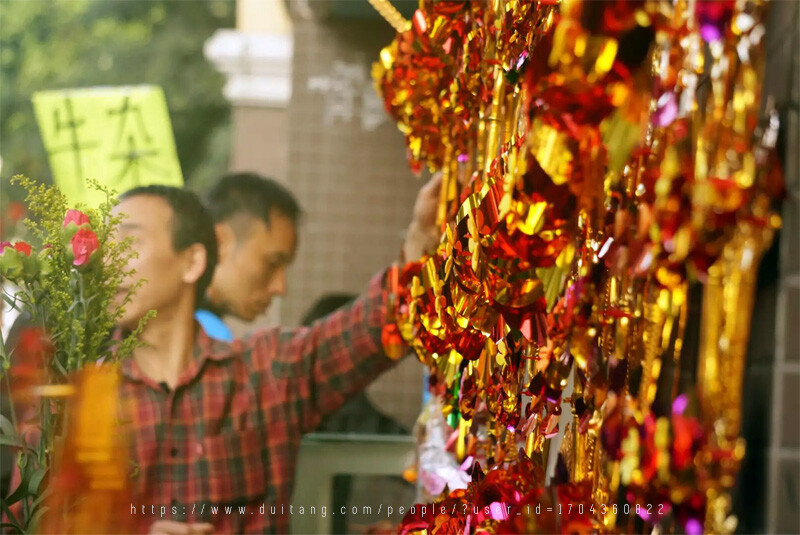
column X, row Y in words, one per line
column 84, row 243
column 16, row 211
column 32, row 352
column 77, row 217
column 23, row 247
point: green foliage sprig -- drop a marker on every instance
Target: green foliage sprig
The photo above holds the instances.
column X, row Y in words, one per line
column 67, row 285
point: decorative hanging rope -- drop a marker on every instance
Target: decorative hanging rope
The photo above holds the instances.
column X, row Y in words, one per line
column 390, row 15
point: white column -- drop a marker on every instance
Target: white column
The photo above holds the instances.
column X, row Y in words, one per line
column 258, row 66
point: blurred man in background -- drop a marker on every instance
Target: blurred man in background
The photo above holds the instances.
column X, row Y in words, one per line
column 255, row 220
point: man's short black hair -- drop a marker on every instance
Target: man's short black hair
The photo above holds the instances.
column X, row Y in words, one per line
column 253, row 195
column 191, row 223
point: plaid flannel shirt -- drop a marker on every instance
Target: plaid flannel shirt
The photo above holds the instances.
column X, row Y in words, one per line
column 230, row 431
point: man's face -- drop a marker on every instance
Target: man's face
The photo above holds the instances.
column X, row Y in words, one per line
column 252, row 266
column 148, row 221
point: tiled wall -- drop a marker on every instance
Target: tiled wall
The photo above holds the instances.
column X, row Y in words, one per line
column 347, row 163
column 348, row 168
column 782, row 80
column 259, row 141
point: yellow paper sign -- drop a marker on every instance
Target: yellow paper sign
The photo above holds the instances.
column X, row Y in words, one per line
column 119, row 136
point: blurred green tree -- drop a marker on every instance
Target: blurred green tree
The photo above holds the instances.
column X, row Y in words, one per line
column 80, row 43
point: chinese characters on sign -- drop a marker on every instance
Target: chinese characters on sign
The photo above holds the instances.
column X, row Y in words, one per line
column 120, row 136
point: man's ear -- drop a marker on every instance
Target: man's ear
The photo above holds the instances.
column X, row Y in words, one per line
column 226, row 239
column 196, row 259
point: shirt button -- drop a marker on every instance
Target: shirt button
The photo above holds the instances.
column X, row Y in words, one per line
column 199, row 448
column 174, row 451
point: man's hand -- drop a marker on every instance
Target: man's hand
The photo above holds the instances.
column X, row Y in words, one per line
column 168, row 527
column 423, row 234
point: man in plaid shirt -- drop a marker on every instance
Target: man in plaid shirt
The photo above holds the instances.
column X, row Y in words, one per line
column 216, row 423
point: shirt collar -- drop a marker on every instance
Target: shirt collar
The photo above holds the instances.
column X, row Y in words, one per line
column 205, row 348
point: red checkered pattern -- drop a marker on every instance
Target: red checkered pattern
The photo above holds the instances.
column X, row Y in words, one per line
column 229, row 433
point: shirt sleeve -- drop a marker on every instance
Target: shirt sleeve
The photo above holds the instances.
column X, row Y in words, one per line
column 316, row 369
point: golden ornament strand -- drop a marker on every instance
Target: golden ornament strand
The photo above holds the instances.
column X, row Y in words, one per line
column 390, row 14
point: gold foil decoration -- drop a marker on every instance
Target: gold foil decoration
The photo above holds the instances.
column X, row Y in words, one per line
column 725, row 329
